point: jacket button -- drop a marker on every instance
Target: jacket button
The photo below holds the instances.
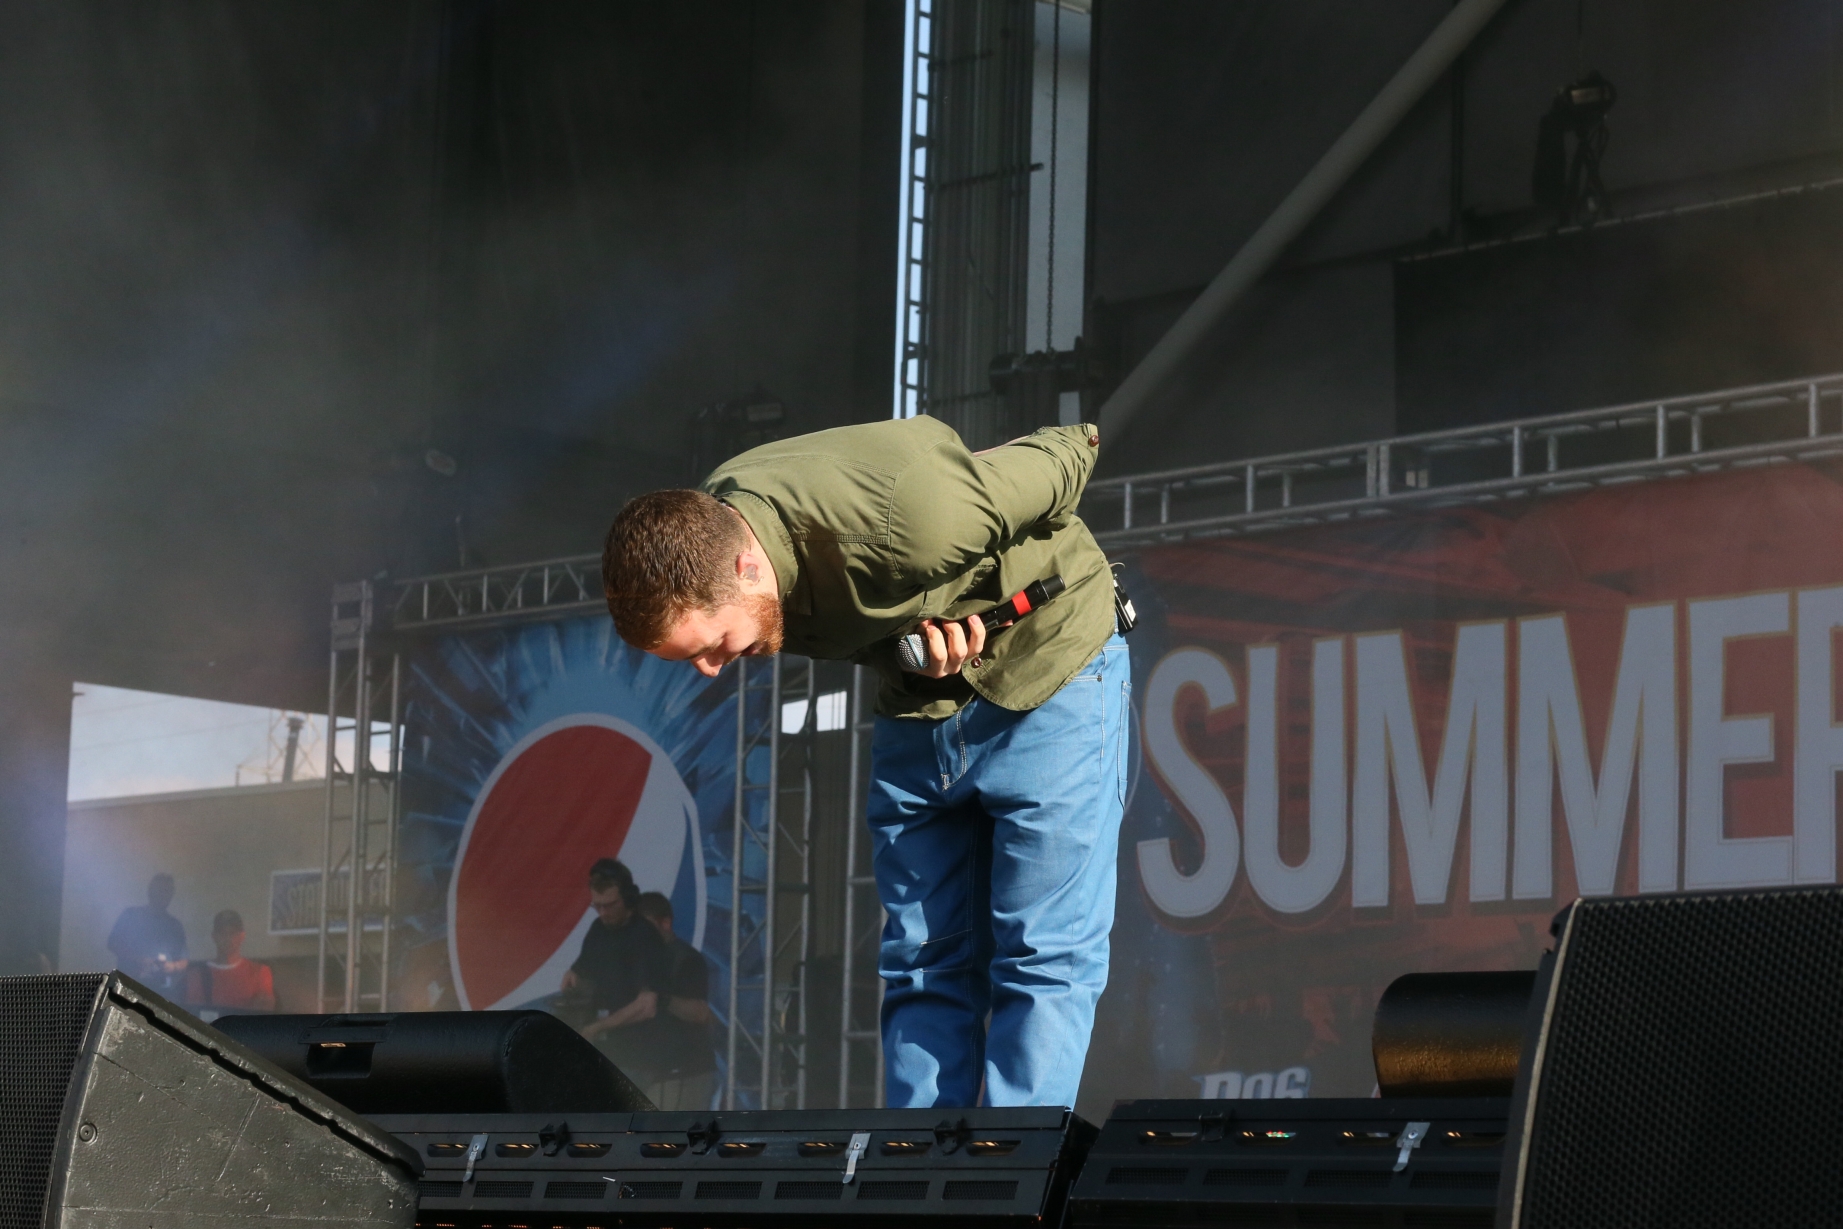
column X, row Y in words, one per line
column 977, row 662
column 1094, row 441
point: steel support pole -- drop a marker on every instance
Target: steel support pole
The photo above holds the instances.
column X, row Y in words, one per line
column 332, row 787
column 361, row 797
column 1304, row 203
column 769, row 884
column 853, row 716
column 742, row 750
column 809, row 728
column 392, row 805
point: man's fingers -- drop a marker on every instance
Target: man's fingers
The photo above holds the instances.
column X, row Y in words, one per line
column 937, row 648
column 975, row 637
column 951, row 644
column 957, row 652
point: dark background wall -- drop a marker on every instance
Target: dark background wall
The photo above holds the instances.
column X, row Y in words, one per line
column 256, row 260
column 1207, row 114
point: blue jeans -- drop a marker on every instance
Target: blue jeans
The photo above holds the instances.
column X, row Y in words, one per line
column 994, row 836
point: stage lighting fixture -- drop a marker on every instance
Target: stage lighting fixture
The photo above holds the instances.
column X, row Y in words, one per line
column 1572, row 187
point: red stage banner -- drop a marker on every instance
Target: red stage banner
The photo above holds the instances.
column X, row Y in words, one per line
column 1399, row 744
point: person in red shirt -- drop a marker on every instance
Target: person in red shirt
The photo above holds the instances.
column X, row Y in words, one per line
column 230, row 981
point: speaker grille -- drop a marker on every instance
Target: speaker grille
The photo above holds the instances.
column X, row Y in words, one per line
column 720, row 1189
column 651, row 1190
column 980, row 1189
column 893, row 1190
column 1450, row 1180
column 1362, row 1179
column 1143, row 1175
column 808, row 1190
column 1245, row 1177
column 42, row 1022
column 1690, row 1076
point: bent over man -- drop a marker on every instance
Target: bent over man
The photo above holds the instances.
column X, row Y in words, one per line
column 997, row 768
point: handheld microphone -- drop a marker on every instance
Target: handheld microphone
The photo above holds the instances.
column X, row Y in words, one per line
column 912, row 649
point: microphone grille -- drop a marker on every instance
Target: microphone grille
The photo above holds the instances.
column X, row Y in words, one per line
column 912, row 652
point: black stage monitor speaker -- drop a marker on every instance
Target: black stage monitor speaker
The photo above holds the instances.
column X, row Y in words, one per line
column 120, row 1111
column 941, row 1167
column 1375, row 1163
column 1686, row 1068
column 443, row 1062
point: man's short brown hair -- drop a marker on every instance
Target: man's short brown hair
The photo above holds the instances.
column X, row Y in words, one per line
column 667, row 554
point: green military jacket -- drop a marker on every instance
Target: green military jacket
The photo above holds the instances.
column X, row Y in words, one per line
column 873, row 528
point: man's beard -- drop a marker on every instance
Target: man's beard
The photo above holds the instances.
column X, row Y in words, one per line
column 770, row 625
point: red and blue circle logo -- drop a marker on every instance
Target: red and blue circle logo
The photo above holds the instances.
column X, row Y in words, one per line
column 576, row 789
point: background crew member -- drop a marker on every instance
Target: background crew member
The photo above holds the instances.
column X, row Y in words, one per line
column 622, row 965
column 686, row 1064
column 149, row 943
column 231, row 980
column 997, row 775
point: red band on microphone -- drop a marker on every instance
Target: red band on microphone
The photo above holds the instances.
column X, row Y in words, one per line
column 1021, row 602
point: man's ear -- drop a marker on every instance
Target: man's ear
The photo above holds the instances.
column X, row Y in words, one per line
column 748, row 568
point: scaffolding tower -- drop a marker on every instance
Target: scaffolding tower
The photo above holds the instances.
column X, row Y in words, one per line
column 358, row 866
column 860, row 1039
column 803, row 914
column 770, row 887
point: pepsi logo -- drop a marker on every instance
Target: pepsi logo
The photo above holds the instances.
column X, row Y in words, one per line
column 579, row 788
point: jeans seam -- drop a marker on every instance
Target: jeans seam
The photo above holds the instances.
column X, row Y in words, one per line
column 1126, row 712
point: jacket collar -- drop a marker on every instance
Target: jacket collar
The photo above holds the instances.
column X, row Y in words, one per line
column 769, row 530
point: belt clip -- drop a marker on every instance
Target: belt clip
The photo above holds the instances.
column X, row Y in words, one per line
column 1408, row 1141
column 703, row 1137
column 952, row 1136
column 475, row 1149
column 860, row 1141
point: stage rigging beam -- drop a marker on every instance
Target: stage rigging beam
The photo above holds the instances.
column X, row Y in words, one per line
column 1761, row 424
column 1304, row 203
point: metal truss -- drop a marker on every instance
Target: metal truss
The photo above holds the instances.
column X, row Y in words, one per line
column 911, row 354
column 771, row 899
column 860, row 1039
column 770, row 888
column 1763, row 424
column 554, row 589
column 358, row 867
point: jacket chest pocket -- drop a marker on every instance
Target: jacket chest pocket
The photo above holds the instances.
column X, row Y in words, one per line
column 978, row 587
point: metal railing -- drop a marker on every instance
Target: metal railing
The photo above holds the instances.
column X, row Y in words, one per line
column 1673, row 437
column 552, row 588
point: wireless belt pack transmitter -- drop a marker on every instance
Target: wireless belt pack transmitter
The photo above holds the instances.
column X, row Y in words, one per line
column 912, row 649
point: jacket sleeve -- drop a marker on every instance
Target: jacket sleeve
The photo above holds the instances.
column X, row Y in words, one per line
column 953, row 508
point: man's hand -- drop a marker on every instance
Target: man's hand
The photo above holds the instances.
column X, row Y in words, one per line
column 644, row 1007
column 951, row 644
column 691, row 1011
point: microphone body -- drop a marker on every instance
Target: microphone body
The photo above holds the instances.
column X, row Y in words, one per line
column 912, row 649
